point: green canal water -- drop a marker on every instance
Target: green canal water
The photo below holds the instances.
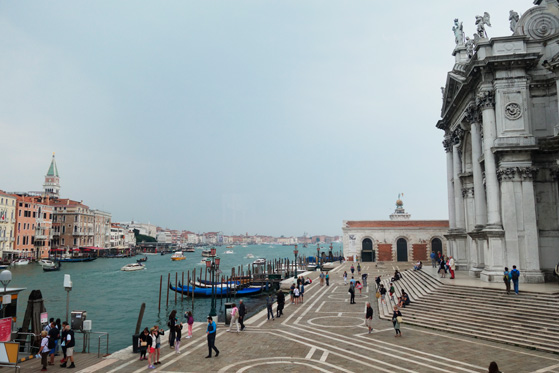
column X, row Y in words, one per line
column 112, row 298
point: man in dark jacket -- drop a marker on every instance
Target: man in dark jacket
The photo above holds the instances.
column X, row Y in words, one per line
column 369, row 317
column 281, row 303
column 242, row 313
column 54, row 335
column 69, row 343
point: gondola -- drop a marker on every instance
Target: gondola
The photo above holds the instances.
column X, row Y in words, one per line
column 77, row 259
column 207, row 292
column 53, row 269
column 141, row 260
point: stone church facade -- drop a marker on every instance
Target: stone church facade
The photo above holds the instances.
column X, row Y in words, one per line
column 501, row 124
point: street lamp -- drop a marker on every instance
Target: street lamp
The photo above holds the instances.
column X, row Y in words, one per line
column 295, row 252
column 68, row 288
column 213, row 266
column 5, row 278
column 318, row 254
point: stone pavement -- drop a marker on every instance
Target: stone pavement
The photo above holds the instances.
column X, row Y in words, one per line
column 327, row 334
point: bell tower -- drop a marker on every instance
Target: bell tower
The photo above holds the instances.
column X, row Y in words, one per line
column 52, row 180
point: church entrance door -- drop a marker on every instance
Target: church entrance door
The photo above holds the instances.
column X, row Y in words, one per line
column 367, row 253
column 402, row 250
column 437, row 247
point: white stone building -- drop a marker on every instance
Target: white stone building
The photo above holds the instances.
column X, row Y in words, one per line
column 501, row 124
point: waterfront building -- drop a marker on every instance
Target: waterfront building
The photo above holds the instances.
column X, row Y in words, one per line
column 145, row 229
column 72, row 224
column 500, row 119
column 51, row 186
column 33, row 226
column 101, row 228
column 7, row 223
column 164, row 237
column 398, row 239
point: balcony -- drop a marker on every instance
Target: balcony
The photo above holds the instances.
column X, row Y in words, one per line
column 41, row 237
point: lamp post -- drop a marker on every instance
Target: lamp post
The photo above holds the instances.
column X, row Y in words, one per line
column 295, row 252
column 213, row 266
column 68, row 288
column 318, row 254
column 5, row 278
column 330, row 254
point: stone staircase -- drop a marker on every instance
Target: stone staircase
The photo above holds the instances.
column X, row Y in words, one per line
column 529, row 320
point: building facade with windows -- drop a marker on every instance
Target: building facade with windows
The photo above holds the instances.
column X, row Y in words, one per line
column 7, row 222
column 73, row 224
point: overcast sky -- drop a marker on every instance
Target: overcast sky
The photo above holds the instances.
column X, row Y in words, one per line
column 266, row 117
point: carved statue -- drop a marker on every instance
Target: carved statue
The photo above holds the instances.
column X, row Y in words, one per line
column 480, row 24
column 513, row 18
column 469, row 46
column 458, row 32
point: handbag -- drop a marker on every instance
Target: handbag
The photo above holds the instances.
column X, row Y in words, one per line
column 399, row 319
column 143, row 344
column 377, row 295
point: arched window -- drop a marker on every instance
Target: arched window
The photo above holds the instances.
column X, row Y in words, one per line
column 402, row 250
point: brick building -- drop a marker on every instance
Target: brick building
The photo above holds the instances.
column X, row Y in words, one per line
column 399, row 239
column 72, row 224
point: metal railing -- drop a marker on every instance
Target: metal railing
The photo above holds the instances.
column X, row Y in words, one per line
column 26, row 342
column 87, row 342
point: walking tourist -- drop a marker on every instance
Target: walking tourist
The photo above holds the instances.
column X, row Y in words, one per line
column 54, row 336
column 143, row 344
column 327, row 278
column 69, row 342
column 211, row 332
column 382, row 292
column 190, row 323
column 171, row 324
column 321, row 278
column 452, row 267
column 292, row 293
column 493, row 368
column 506, row 279
column 302, row 292
column 359, row 269
column 396, row 321
column 178, row 333
column 151, row 342
column 442, row 269
column 59, row 326
column 352, row 269
column 351, row 294
column 62, row 344
column 242, row 314
column 345, row 278
column 281, row 303
column 359, row 286
column 269, row 304
column 49, row 325
column 515, row 275
column 296, row 296
column 391, row 291
column 158, row 333
column 369, row 317
column 433, row 259
column 377, row 281
column 364, row 279
column 234, row 318
column 44, row 350
column 352, row 281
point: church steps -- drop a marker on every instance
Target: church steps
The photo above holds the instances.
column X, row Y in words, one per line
column 521, row 301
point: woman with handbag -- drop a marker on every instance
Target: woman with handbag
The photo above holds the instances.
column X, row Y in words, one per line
column 396, row 320
column 143, row 344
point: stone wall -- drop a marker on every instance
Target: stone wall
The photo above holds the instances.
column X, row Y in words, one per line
column 385, row 252
column 420, row 251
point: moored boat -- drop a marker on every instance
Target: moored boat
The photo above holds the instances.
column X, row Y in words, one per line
column 54, row 268
column 21, row 262
column 46, row 263
column 133, row 267
column 259, row 261
column 190, row 250
column 207, row 291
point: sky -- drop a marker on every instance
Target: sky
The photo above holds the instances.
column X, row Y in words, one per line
column 259, row 117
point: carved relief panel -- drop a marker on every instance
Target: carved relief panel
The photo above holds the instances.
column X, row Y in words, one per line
column 511, row 113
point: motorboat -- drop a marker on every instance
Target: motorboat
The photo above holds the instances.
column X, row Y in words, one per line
column 133, row 267
column 177, row 255
column 46, row 263
column 259, row 261
column 56, row 267
column 206, row 252
column 229, row 252
column 21, row 262
column 229, row 247
column 190, row 250
column 249, row 256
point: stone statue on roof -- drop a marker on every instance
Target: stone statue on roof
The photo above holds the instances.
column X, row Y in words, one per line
column 458, row 32
column 469, row 47
column 513, row 18
column 480, row 24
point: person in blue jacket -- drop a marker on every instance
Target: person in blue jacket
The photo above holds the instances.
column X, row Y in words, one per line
column 211, row 332
column 515, row 275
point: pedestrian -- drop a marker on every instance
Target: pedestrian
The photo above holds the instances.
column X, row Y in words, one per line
column 269, row 304
column 44, row 350
column 452, row 267
column 506, row 279
column 382, row 292
column 69, row 343
column 392, row 291
column 62, row 344
column 321, row 278
column 340, row 257
column 296, row 296
column 442, row 269
column 345, row 278
column 59, row 326
column 377, row 281
column 493, row 368
column 351, row 294
column 433, row 259
column 364, row 277
column 158, row 333
column 48, row 326
column 151, row 343
column 359, row 269
column 515, row 275
column 143, row 344
column 281, row 303
column 352, row 269
column 190, row 323
column 292, row 293
column 234, row 318
column 211, row 332
column 171, row 324
column 242, row 314
column 369, row 317
column 54, row 336
column 178, row 334
column 352, row 281
column 302, row 292
column 327, row 278
column 396, row 321
column 359, row 286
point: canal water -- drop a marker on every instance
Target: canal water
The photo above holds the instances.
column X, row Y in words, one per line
column 112, row 298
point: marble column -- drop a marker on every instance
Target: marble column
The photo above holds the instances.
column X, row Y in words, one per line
column 458, row 198
column 449, row 176
column 458, row 234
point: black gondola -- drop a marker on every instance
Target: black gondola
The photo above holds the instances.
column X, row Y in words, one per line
column 141, row 260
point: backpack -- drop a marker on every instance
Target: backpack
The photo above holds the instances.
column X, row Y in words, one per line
column 514, row 275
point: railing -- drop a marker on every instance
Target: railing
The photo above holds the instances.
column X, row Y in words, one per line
column 87, row 342
column 27, row 342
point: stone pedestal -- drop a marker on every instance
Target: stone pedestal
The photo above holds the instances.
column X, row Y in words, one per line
column 479, row 242
column 494, row 254
column 457, row 244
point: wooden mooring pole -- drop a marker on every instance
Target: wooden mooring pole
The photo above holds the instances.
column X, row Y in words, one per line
column 160, row 286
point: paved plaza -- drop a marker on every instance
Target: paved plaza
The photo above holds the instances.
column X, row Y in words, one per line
column 327, row 334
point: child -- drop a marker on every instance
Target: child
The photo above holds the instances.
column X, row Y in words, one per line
column 359, row 286
column 178, row 329
column 190, row 322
